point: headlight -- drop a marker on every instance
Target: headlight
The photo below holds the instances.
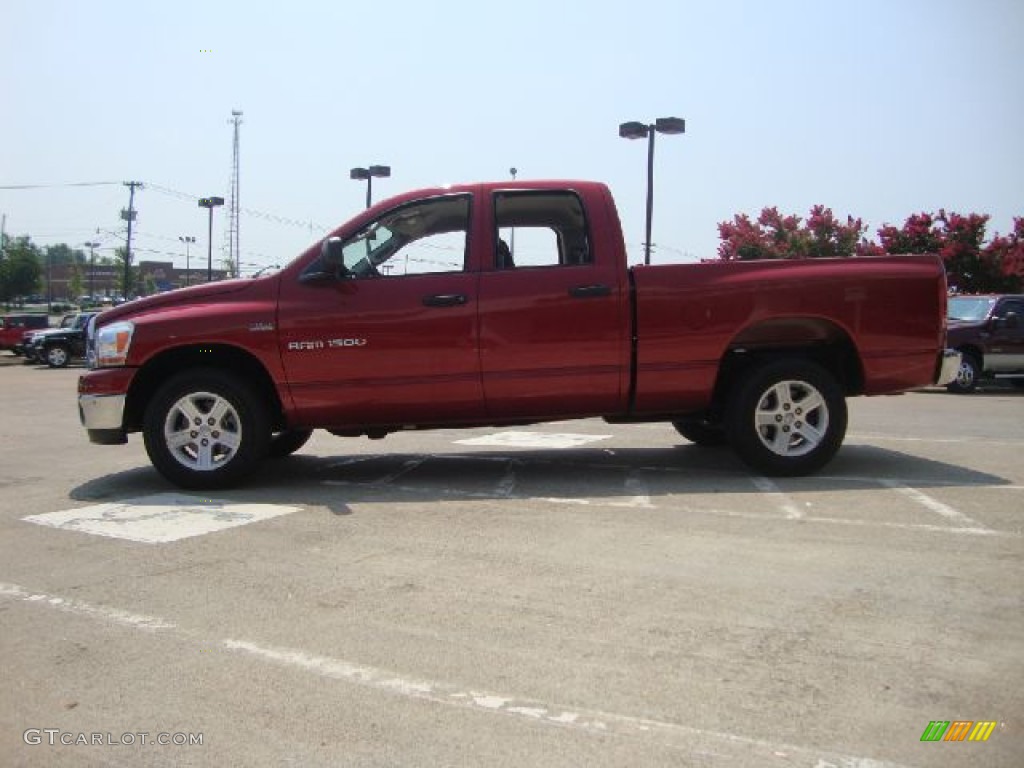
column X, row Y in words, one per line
column 113, row 342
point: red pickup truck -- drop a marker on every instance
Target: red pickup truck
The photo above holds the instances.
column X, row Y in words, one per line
column 508, row 304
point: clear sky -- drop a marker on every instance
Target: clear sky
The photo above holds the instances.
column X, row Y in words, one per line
column 875, row 108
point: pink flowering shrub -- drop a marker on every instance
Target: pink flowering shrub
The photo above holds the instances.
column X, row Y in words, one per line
column 972, row 265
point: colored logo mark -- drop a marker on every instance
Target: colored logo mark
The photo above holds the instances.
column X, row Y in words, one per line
column 958, row 730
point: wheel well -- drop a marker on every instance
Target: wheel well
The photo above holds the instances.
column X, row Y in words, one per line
column 814, row 339
column 218, row 356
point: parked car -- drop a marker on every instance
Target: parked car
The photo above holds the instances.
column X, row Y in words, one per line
column 27, row 345
column 988, row 331
column 13, row 328
column 59, row 346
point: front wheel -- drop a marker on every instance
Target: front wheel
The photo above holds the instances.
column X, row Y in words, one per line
column 205, row 429
column 57, row 356
column 788, row 418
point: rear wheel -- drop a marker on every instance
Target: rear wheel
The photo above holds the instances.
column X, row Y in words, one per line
column 966, row 380
column 788, row 418
column 57, row 356
column 205, row 429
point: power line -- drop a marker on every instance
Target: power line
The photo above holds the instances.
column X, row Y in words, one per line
column 305, row 224
column 67, row 184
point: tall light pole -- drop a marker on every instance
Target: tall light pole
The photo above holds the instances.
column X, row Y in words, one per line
column 378, row 171
column 210, row 203
column 637, row 130
column 187, row 240
column 92, row 246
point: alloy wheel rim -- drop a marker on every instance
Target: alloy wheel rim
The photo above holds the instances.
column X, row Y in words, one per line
column 791, row 418
column 202, row 431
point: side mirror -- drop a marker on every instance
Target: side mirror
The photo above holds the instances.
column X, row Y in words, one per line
column 332, row 263
column 331, row 255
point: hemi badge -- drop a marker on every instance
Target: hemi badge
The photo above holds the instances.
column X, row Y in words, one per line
column 257, row 327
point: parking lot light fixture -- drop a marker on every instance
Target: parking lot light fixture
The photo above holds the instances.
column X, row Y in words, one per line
column 638, row 130
column 92, row 246
column 187, row 240
column 369, row 173
column 210, row 203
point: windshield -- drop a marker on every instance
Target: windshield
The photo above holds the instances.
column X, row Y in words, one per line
column 969, row 308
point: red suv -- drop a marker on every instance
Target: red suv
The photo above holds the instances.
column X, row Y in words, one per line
column 13, row 327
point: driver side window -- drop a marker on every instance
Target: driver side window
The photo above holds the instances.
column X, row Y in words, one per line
column 428, row 236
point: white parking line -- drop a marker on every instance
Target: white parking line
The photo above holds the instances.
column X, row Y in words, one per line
column 81, row 608
column 513, row 439
column 715, row 747
column 790, row 509
column 934, row 505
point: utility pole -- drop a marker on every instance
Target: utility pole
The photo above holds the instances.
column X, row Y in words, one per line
column 129, row 216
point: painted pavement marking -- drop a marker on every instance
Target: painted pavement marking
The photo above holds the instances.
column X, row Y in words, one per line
column 160, row 518
column 513, row 439
column 948, row 512
column 790, row 509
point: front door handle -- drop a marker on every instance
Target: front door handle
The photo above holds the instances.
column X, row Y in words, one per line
column 589, row 291
column 445, row 300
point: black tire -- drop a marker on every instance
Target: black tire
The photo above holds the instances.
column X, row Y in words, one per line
column 57, row 355
column 288, row 442
column 788, row 418
column 227, row 443
column 701, row 432
column 966, row 380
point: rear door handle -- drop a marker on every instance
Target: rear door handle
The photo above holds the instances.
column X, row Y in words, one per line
column 445, row 300
column 589, row 291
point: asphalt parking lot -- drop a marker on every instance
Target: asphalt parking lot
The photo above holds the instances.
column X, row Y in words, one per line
column 555, row 595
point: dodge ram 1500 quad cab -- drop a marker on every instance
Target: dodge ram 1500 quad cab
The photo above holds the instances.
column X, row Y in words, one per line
column 421, row 313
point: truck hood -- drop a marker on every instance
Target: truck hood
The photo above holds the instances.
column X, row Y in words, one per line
column 49, row 332
column 964, row 325
column 196, row 294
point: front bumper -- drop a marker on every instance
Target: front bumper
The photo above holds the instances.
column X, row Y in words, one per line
column 949, row 364
column 103, row 418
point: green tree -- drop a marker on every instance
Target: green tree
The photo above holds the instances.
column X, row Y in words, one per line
column 62, row 253
column 20, row 269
